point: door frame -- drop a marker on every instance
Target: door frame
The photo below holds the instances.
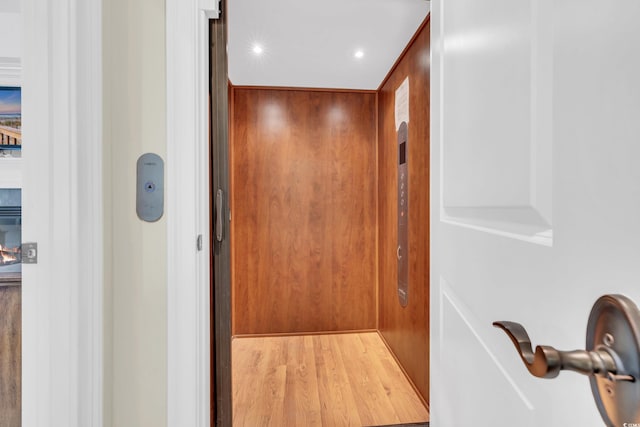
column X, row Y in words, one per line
column 187, row 190
column 62, row 301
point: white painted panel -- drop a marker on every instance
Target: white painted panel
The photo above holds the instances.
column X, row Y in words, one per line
column 12, row 6
column 465, row 353
column 496, row 169
column 518, row 222
column 487, row 159
column 10, row 35
column 10, row 173
column 62, row 303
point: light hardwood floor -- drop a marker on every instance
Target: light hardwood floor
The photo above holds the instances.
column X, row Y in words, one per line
column 320, row 380
column 10, row 354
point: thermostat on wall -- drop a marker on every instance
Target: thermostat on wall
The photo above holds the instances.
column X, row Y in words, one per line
column 150, row 187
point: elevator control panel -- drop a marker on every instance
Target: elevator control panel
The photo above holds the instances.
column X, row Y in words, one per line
column 402, row 252
column 150, row 187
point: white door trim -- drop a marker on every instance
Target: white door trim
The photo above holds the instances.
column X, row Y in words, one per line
column 62, row 295
column 188, row 275
column 10, row 71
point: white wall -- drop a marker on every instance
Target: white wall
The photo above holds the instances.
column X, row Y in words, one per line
column 10, row 32
column 135, row 251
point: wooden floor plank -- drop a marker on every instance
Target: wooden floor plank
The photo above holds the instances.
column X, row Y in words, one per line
column 265, row 376
column 338, row 405
column 328, row 380
column 302, row 403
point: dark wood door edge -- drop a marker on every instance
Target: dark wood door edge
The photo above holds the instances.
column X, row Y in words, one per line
column 221, row 271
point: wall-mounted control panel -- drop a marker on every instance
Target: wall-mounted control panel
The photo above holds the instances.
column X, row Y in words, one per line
column 150, row 187
column 402, row 252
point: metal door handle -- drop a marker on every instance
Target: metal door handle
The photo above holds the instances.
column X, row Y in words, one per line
column 611, row 358
column 547, row 362
column 219, row 211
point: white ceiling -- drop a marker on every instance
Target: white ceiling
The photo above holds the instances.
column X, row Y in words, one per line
column 312, row 43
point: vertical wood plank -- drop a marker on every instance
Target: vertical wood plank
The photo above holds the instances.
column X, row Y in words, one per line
column 406, row 330
column 304, row 213
column 337, row 402
column 301, row 402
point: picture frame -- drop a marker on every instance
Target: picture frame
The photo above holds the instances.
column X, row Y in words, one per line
column 10, row 121
column 10, row 235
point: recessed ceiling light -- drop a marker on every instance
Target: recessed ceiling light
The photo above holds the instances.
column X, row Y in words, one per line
column 359, row 53
column 257, row 49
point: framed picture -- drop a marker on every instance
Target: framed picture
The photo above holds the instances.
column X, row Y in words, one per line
column 10, row 235
column 10, row 121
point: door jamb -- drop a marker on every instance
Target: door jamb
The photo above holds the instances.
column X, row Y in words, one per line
column 188, row 189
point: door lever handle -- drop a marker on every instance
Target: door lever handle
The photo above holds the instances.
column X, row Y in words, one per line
column 547, row 362
column 611, row 359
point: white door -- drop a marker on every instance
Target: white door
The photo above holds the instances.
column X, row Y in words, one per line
column 535, row 195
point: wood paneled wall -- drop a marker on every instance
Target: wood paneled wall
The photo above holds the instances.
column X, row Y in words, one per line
column 10, row 355
column 303, row 206
column 406, row 330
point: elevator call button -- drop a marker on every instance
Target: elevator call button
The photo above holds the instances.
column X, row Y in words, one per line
column 150, row 187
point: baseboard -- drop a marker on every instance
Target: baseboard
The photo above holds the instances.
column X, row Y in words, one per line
column 297, row 334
